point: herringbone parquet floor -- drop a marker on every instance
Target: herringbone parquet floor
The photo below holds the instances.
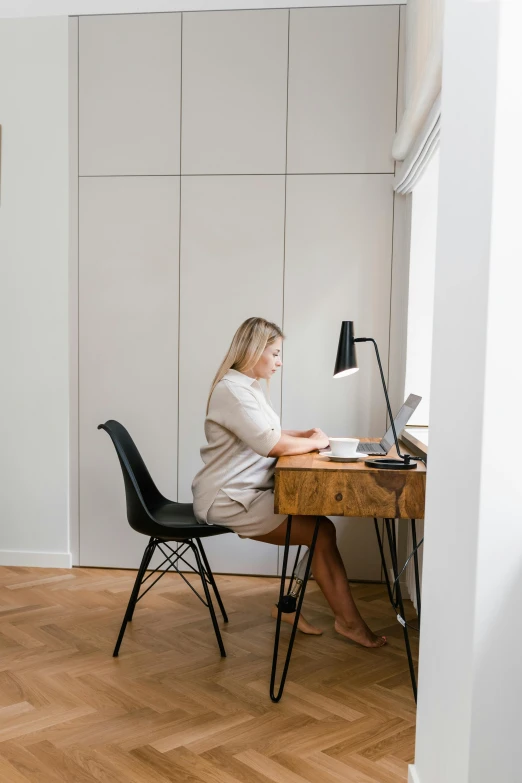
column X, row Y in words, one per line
column 170, row 709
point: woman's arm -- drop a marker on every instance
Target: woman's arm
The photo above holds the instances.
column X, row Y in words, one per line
column 295, row 444
column 301, row 433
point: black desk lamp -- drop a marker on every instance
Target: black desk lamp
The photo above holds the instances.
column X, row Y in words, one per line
column 346, row 364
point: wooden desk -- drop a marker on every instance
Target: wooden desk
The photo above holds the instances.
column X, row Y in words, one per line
column 312, row 485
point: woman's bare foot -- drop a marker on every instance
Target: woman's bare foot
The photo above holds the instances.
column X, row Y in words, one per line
column 360, row 633
column 303, row 625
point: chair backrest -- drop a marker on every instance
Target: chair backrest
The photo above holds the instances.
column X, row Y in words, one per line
column 141, row 493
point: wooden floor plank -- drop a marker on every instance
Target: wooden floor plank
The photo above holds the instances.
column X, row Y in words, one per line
column 170, row 708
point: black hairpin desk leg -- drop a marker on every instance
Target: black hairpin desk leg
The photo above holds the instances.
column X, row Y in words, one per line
column 287, row 604
column 416, row 562
column 383, row 561
column 400, row 603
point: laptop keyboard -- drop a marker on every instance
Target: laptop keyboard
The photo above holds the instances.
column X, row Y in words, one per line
column 370, row 448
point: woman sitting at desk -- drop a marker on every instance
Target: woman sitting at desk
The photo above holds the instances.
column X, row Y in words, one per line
column 235, row 487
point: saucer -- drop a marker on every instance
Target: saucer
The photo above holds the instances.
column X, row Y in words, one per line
column 343, row 459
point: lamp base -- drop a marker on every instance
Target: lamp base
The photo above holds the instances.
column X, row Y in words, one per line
column 390, row 464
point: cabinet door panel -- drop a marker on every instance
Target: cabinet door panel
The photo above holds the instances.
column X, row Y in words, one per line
column 232, row 237
column 342, row 89
column 130, row 85
column 128, row 350
column 338, row 267
column 234, row 92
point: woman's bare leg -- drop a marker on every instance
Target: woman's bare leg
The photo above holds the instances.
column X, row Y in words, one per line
column 329, row 572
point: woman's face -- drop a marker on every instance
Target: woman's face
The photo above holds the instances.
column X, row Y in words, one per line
column 270, row 360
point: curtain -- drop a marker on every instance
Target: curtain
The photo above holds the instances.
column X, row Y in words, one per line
column 418, row 134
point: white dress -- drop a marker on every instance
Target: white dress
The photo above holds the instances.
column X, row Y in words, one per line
column 235, row 487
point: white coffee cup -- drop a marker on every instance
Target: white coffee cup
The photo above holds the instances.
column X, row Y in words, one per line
column 344, row 447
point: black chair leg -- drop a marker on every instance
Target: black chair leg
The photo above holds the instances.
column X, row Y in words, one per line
column 210, row 605
column 149, row 551
column 212, row 580
column 146, row 564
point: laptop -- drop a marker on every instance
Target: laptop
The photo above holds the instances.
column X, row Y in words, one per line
column 400, row 421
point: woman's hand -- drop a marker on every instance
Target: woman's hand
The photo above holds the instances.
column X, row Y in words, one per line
column 315, row 432
column 319, row 437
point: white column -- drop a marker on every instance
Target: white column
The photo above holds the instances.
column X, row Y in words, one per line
column 470, row 676
column 34, row 290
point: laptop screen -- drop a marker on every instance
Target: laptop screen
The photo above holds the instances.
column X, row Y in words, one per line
column 400, row 421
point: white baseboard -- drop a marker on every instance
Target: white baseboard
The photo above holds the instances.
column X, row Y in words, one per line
column 10, row 557
column 412, row 774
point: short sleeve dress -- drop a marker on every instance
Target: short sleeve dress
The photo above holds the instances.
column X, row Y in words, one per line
column 235, row 486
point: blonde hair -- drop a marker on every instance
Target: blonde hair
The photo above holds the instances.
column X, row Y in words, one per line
column 246, row 348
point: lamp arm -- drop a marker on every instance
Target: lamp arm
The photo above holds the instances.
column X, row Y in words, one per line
column 404, row 457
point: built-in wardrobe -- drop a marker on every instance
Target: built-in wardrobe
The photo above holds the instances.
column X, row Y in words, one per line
column 230, row 164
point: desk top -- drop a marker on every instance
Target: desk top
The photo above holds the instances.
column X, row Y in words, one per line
column 312, row 485
column 315, row 461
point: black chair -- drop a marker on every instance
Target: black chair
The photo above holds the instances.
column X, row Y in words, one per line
column 150, row 513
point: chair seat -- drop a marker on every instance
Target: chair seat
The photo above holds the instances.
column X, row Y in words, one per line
column 181, row 523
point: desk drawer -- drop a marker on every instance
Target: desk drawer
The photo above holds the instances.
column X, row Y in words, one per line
column 372, row 493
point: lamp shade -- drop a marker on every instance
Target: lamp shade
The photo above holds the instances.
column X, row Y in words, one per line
column 346, row 362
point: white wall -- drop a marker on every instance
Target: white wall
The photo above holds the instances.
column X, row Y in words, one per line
column 420, row 320
column 421, row 288
column 239, row 202
column 470, row 683
column 34, row 67
column 34, row 209
column 401, row 258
